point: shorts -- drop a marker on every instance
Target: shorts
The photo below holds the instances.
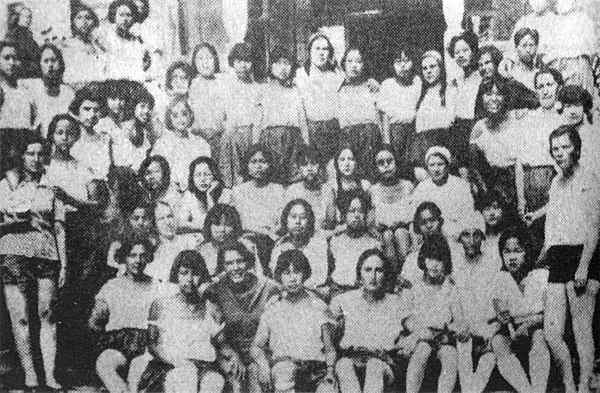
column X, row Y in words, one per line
column 130, row 342
column 360, row 357
column 18, row 269
column 308, row 375
column 563, row 262
column 153, row 378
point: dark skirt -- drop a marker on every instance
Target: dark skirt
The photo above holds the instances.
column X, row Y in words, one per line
column 537, row 186
column 308, row 375
column 284, row 143
column 235, row 144
column 457, row 140
column 363, row 140
column 420, row 142
column 153, row 378
column 400, row 134
column 129, row 341
column 324, row 135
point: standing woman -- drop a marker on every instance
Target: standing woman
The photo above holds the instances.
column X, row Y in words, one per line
column 319, row 83
column 570, row 251
column 19, row 32
column 28, row 247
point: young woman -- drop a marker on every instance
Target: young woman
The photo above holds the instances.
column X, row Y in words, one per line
column 303, row 353
column 205, row 189
column 524, row 68
column 391, row 197
column 178, row 144
column 243, row 297
column 543, row 19
column 397, row 99
column 357, row 114
column 19, row 32
column 18, row 108
column 371, row 322
column 154, row 178
column 283, row 126
column 497, row 216
column 570, row 250
column 259, row 202
column 298, row 232
column 146, row 128
column 28, row 248
column 240, row 99
column 206, row 96
column 176, row 85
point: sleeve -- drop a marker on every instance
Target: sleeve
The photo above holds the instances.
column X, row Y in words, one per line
column 105, row 293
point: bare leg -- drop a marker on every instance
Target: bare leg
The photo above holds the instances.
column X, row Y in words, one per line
column 136, row 369
column 539, row 362
column 212, row 382
column 17, row 308
column 253, row 381
column 107, row 366
column 509, row 366
column 481, row 376
column 346, row 374
column 182, row 379
column 376, row 376
column 416, row 367
column 465, row 364
column 46, row 299
column 283, row 376
column 448, row 357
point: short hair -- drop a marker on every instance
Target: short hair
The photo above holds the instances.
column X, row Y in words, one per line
column 212, row 165
column 178, row 65
column 219, row 213
column 84, row 8
column 308, row 153
column 164, row 166
column 142, row 17
column 192, row 260
column 57, row 53
column 558, row 78
column 309, row 213
column 278, row 53
column 375, row 252
column 524, row 239
column 114, row 6
column 240, row 51
column 577, row 95
column 169, row 111
column 240, row 248
column 25, row 141
column 295, row 258
column 573, row 134
column 433, row 208
column 362, row 196
column 127, row 245
column 435, row 247
column 389, row 149
column 255, row 149
column 526, row 31
column 116, row 88
column 469, row 38
column 495, row 54
column 82, row 95
column 54, row 123
column 141, row 94
column 406, row 49
column 330, row 58
column 213, row 52
column 503, row 86
column 490, row 197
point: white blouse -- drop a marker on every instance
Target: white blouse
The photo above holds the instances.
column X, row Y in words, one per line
column 431, row 114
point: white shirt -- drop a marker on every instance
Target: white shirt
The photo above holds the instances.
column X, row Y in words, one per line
column 356, row 105
column 46, row 106
column 319, row 92
column 532, row 134
column 574, row 35
column 18, row 108
column 466, row 95
column 431, row 114
column 316, row 253
column 399, row 102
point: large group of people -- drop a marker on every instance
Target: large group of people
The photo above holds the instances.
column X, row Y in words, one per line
column 316, row 231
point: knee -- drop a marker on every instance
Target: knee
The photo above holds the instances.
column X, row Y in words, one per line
column 553, row 336
column 108, row 360
column 283, row 374
column 388, row 236
column 185, row 375
column 212, row 382
column 375, row 367
column 344, row 366
column 421, row 353
column 538, row 339
column 402, row 236
column 501, row 346
column 448, row 357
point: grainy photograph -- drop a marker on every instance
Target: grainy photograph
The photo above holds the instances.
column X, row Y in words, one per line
column 331, row 196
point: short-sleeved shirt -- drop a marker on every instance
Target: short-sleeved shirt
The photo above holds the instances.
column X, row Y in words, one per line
column 316, row 199
column 128, row 302
column 93, row 152
column 399, row 102
column 432, row 115
column 319, row 92
column 18, row 108
column 345, row 251
column 529, row 299
column 356, row 105
column 429, row 305
column 316, row 253
column 241, row 102
column 532, row 134
column 206, row 100
column 47, row 106
column 259, row 208
column 392, row 203
column 125, row 153
column 160, row 267
column 498, row 145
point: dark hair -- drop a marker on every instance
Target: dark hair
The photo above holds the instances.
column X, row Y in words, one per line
column 495, row 54
column 278, row 53
column 212, row 165
column 341, row 198
column 255, row 149
column 82, row 95
column 577, row 95
column 25, row 141
column 308, row 153
column 558, row 78
column 433, row 208
column 7, row 44
column 294, row 258
column 142, row 17
column 54, row 122
column 189, row 259
column 240, row 248
column 57, row 53
column 116, row 88
column 114, row 6
column 489, row 198
column 217, row 214
column 213, row 53
column 503, row 87
column 365, row 71
column 240, row 51
column 442, row 80
column 387, row 266
column 469, row 38
column 362, row 196
column 524, row 239
column 286, row 212
column 122, row 252
column 141, row 94
column 169, row 111
column 435, row 247
column 330, row 66
column 525, row 31
column 390, row 149
column 573, row 134
column 406, row 49
column 81, row 8
column 178, row 65
column 164, row 166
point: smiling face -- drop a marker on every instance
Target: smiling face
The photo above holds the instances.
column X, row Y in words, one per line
column 372, row 274
column 431, row 70
column 346, row 163
column 386, row 164
column 136, row 260
column 319, row 52
column 547, row 90
column 235, row 266
column 203, row 177
column 513, row 255
column 493, row 101
column 463, row 55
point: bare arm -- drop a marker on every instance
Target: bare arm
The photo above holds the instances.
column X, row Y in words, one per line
column 99, row 317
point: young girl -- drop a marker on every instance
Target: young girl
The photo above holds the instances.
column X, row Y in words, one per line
column 178, row 144
column 283, row 125
column 357, row 114
column 303, row 353
column 205, row 189
column 154, row 177
column 391, row 198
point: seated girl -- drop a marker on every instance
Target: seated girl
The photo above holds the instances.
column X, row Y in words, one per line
column 154, row 178
column 303, row 354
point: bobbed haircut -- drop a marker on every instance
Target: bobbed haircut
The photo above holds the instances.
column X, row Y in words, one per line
column 164, row 166
column 58, row 118
column 212, row 165
column 254, row 150
column 558, row 78
column 469, row 38
column 361, row 196
column 192, row 260
column 503, row 87
column 82, row 95
column 278, row 53
column 115, row 5
column 573, row 134
column 84, row 8
column 141, row 95
column 57, row 53
column 365, row 70
column 116, row 88
column 178, row 65
column 308, row 154
column 169, row 112
column 577, row 96
column 435, row 247
column 524, row 32
column 222, row 214
column 519, row 233
column 213, row 52
column 495, row 54
column 240, row 248
column 122, row 252
column 309, row 213
column 493, row 196
column 7, row 44
column 295, row 258
column 424, row 206
column 241, row 51
column 375, row 252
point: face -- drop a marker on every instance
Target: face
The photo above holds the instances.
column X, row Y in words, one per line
column 235, row 266
column 258, row 166
column 123, row 18
column 65, row 135
column 205, row 63
column 282, row 69
column 434, row 270
column 386, row 164
column 33, row 158
column 346, row 163
column 493, row 101
column 297, row 221
column 83, row 23
column 8, row 61
column 154, row 175
column 562, row 152
column 547, row 89
column 573, row 114
column 88, row 113
column 486, row 66
column 166, row 224
column 355, row 218
column 527, row 49
column 462, row 53
column 372, row 274
column 25, row 18
column 437, row 168
column 180, row 81
column 181, row 117
column 242, row 68
column 221, row 231
column 292, row 279
column 50, row 64
column 403, row 67
column 187, row 282
column 319, row 52
column 493, row 214
column 429, row 224
column 354, row 64
column 310, row 171
column 513, row 255
column 142, row 112
column 471, row 240
column 431, row 70
column 116, row 105
column 203, row 177
column 140, row 221
column 136, row 260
